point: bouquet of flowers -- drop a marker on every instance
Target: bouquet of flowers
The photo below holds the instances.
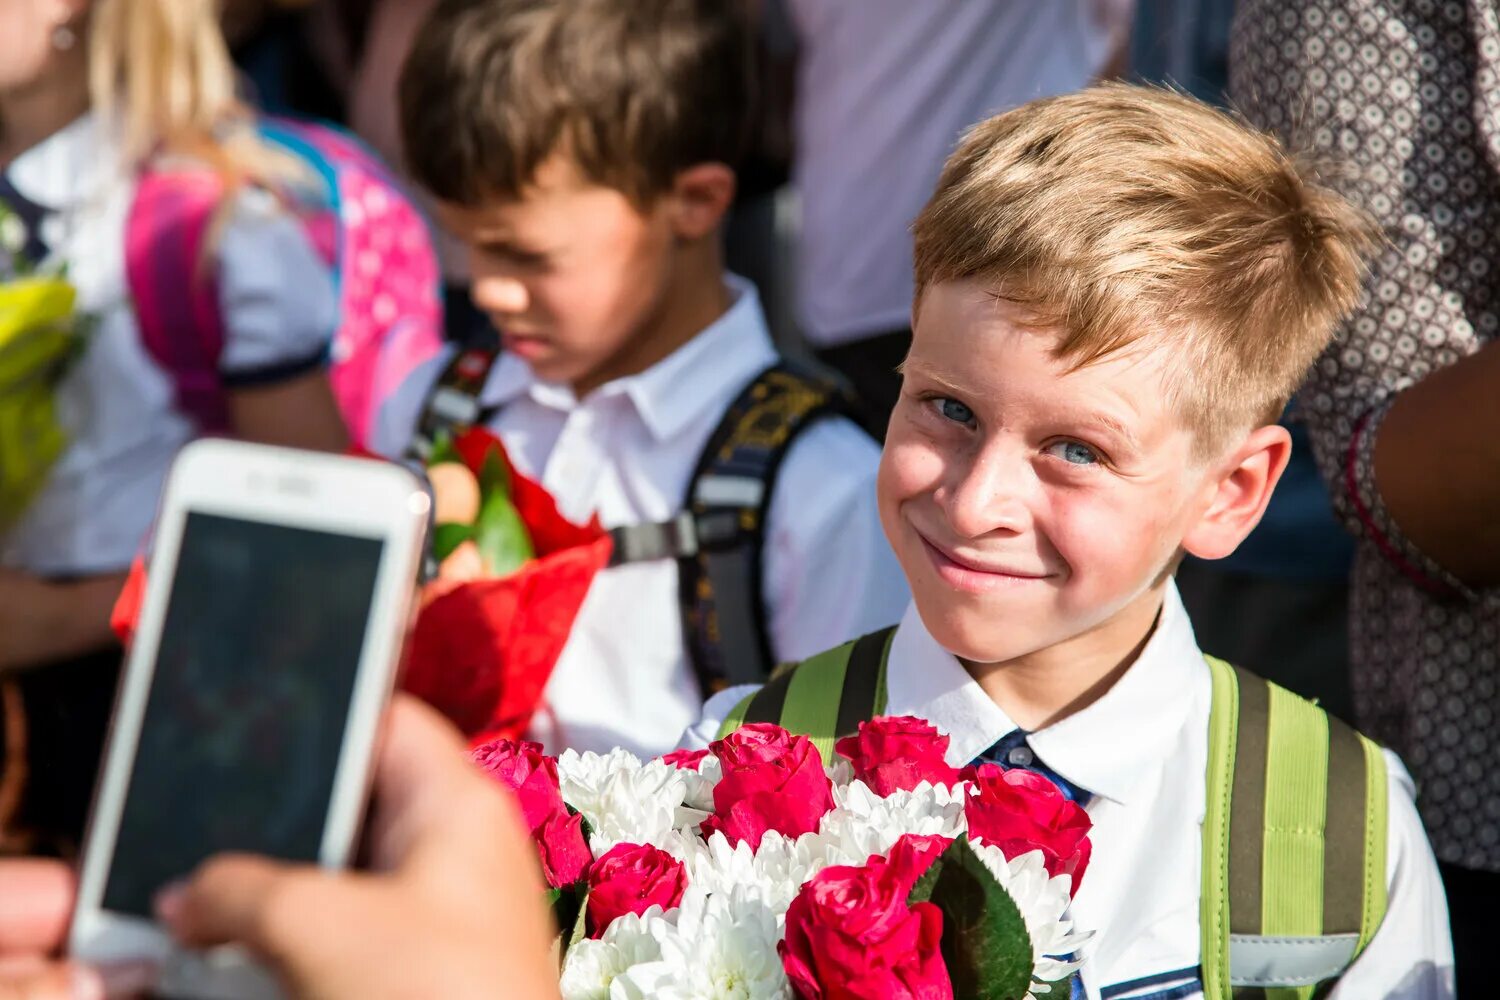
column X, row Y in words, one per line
column 40, row 332
column 752, row 870
column 512, row 574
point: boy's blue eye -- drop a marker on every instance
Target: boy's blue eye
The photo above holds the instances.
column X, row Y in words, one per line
column 955, row 411
column 1075, row 453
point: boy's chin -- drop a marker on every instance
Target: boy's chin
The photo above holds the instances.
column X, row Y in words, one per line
column 975, row 637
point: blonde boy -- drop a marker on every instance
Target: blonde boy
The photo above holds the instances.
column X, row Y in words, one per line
column 1118, row 290
column 584, row 151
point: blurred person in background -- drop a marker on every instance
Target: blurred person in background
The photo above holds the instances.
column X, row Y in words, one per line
column 884, row 89
column 1403, row 410
column 91, row 91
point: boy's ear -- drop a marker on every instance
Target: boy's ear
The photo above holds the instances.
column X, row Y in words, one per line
column 701, row 196
column 1241, row 492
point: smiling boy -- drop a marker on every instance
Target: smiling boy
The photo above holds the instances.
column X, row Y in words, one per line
column 1118, row 290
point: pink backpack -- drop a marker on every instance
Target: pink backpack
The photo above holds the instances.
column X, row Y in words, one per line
column 390, row 313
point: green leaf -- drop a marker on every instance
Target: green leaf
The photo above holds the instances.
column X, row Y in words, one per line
column 985, row 944
column 447, row 537
column 504, row 543
column 494, row 474
column 443, row 449
column 570, row 910
column 922, row 891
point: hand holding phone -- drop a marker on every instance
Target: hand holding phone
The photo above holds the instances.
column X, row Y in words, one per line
column 265, row 653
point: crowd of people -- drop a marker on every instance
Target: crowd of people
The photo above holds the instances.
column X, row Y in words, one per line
column 1075, row 380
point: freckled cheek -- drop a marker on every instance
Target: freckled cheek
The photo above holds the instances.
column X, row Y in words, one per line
column 1107, row 538
column 909, row 469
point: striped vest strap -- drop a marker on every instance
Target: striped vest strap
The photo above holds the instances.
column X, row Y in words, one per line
column 1293, row 843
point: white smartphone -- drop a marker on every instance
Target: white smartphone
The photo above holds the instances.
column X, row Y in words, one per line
column 267, row 646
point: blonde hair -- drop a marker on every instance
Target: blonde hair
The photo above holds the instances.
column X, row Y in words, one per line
column 1125, row 213
column 163, row 69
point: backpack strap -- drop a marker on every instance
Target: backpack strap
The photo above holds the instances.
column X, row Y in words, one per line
column 452, row 404
column 729, row 500
column 825, row 697
column 174, row 291
column 1293, row 843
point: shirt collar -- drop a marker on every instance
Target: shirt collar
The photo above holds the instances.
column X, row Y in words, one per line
column 68, row 167
column 1102, row 748
column 703, row 374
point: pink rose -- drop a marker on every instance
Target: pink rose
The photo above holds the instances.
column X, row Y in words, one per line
column 630, row 879
column 896, row 753
column 687, row 760
column 532, row 776
column 850, row 935
column 772, row 781
column 1020, row 811
column 563, row 849
column 522, row 767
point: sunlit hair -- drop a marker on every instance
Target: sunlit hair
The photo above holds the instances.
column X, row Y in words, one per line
column 632, row 91
column 162, row 71
column 1125, row 215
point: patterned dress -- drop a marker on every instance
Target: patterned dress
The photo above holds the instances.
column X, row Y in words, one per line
column 1408, row 93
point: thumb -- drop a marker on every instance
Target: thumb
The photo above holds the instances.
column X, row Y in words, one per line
column 239, row 899
column 51, row 981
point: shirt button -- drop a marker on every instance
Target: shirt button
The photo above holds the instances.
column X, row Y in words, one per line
column 1020, row 757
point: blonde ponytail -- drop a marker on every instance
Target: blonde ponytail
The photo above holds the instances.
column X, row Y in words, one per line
column 162, row 70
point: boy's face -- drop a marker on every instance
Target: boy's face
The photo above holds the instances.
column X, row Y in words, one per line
column 1030, row 505
column 569, row 273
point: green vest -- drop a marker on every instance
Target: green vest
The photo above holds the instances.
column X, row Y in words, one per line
column 1293, row 839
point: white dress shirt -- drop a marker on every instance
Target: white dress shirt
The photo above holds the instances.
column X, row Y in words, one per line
column 118, row 407
column 625, row 453
column 1142, row 750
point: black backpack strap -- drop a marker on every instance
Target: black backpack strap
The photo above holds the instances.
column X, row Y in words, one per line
column 729, row 498
column 452, row 404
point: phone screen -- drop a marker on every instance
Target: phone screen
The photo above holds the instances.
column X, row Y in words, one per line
column 245, row 718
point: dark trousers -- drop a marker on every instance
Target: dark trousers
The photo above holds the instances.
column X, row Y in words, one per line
column 64, row 717
column 1474, row 914
column 870, row 366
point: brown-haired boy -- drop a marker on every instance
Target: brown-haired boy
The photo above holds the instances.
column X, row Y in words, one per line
column 1118, row 290
column 584, row 151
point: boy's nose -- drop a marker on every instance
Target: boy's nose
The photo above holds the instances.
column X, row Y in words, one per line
column 987, row 498
column 497, row 294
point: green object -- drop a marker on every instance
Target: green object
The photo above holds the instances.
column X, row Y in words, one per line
column 1294, row 839
column 37, row 339
column 985, row 944
column 447, row 537
column 503, row 540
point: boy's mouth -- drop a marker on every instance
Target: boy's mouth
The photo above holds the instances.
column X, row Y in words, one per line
column 977, row 577
column 524, row 345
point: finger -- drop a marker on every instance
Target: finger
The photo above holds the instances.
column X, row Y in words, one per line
column 52, row 981
column 36, row 901
column 241, row 899
column 421, row 769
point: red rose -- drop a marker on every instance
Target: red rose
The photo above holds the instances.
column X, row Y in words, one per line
column 687, row 760
column 772, row 781
column 1020, row 811
column 914, row 853
column 897, row 753
column 532, row 776
column 850, row 934
column 631, row 878
column 563, row 849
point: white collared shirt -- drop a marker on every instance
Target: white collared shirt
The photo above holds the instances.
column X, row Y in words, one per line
column 117, row 406
column 1142, row 750
column 625, row 453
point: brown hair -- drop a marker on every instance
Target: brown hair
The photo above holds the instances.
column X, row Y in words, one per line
column 1125, row 213
column 633, row 92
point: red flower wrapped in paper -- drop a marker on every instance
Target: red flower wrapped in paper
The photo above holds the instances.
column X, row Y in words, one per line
column 513, row 573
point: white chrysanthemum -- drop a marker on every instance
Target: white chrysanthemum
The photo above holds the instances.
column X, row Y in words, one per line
column 700, row 783
column 722, row 946
column 625, row 801
column 863, row 823
column 774, row 873
column 592, row 966
column 1042, row 900
column 839, row 770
